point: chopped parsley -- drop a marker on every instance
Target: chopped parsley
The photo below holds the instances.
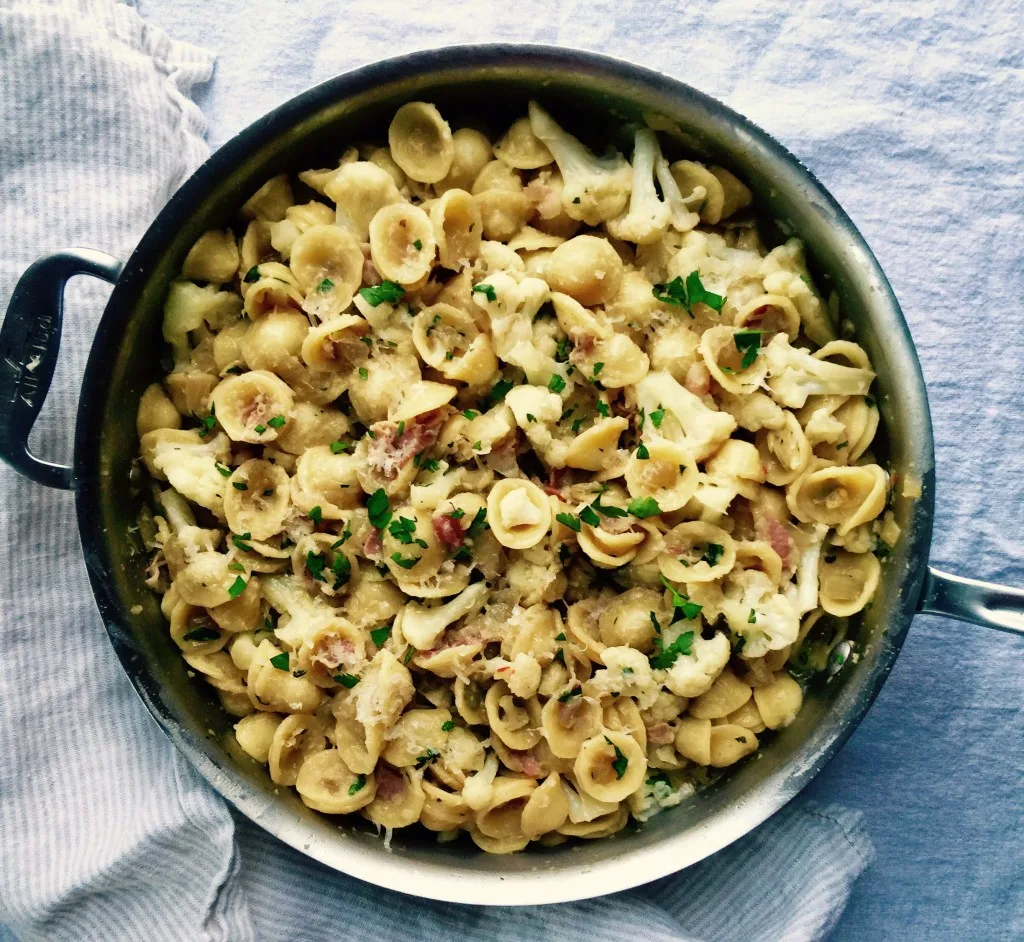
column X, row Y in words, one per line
column 666, row 656
column 240, row 485
column 642, row 453
column 259, row 429
column 417, row 244
column 338, row 447
column 325, row 286
column 280, row 661
column 236, row 567
column 277, row 421
column 470, row 413
column 688, row 293
column 386, row 291
column 406, row 562
column 560, row 636
column 569, row 694
column 346, row 680
column 556, row 383
column 657, row 416
column 380, row 635
column 315, row 564
column 236, row 588
column 447, row 726
column 479, row 521
column 644, row 507
column 621, row 762
column 403, row 529
column 602, row 408
column 752, row 618
column 681, row 603
column 316, row 514
column 342, row 569
column 478, row 445
column 530, row 417
column 748, row 342
column 363, row 374
column 252, row 275
column 202, row 633
column 357, row 785
column 712, row 554
column 378, row 510
column 590, row 517
column 207, row 424
column 569, row 521
column 499, row 391
column 426, row 758
column 486, row 290
column 597, row 368
column 431, row 464
column 238, row 540
column 222, row 470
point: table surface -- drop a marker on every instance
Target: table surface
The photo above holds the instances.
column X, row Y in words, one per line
column 912, row 117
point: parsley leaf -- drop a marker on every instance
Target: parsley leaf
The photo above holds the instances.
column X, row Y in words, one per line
column 426, row 758
column 406, row 562
column 642, row 453
column 357, row 785
column 378, row 510
column 486, row 290
column 389, row 291
column 315, row 565
column 589, row 517
column 363, row 372
column 316, row 514
column 447, row 726
column 223, row 471
column 478, row 523
column 748, row 342
column 556, row 383
column 712, row 554
column 202, row 633
column 666, row 656
column 417, row 244
column 238, row 540
column 277, row 421
column 569, row 694
column 499, row 391
column 403, row 529
column 681, row 603
column 237, row 587
column 346, row 680
column 752, row 618
column 325, row 286
column 597, row 368
column 338, row 447
column 688, row 293
column 644, row 507
column 621, row 762
column 657, row 416
column 252, row 275
column 471, row 413
column 280, row 661
column 569, row 521
column 380, row 635
column 602, row 408
column 342, row 569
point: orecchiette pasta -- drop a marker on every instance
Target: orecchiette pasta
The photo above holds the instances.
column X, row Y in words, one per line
column 478, row 519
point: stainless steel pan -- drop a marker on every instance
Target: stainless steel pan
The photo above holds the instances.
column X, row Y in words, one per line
column 493, row 82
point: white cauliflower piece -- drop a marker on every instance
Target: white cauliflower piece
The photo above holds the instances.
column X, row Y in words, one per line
column 192, row 471
column 479, row 787
column 423, row 627
column 595, row 188
column 538, row 367
column 794, row 374
column 187, row 307
column 683, row 210
column 803, row 593
column 693, row 674
column 657, row 794
column 765, row 619
column 784, row 271
column 523, row 676
column 306, row 614
column 537, row 411
column 648, row 216
column 753, row 411
column 516, row 301
column 628, row 673
column 383, row 692
column 686, row 419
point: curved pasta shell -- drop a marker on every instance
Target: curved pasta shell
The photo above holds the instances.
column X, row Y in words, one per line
column 785, row 452
column 841, row 497
column 692, row 177
column 727, row 694
column 669, row 475
column 848, row 582
column 326, row 480
column 326, row 784
column 271, row 294
column 690, row 554
column 592, row 449
column 547, row 808
column 501, row 819
column 421, row 142
column 723, row 359
column 779, row 702
column 771, row 313
column 520, row 148
column 296, row 738
column 693, row 739
column 205, row 581
column 626, row 620
column 255, row 734
column 568, row 724
column 731, row 743
column 246, row 404
column 458, row 228
column 402, row 243
column 328, row 264
column 402, row 803
column 517, row 726
column 518, row 512
column 360, row 189
column 242, row 613
column 599, row 766
column 257, row 501
column 337, row 345
column 191, row 619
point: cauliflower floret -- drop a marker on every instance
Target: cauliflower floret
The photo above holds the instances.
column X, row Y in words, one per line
column 595, row 188
column 423, row 627
column 784, row 271
column 753, row 411
column 511, row 304
column 693, row 674
column 522, row 675
column 648, row 216
column 628, row 673
column 655, row 795
column 537, row 411
column 383, row 692
column 823, row 426
column 306, row 614
column 187, row 307
column 682, row 209
column 803, row 593
column 794, row 374
column 479, row 787
column 765, row 619
column 191, row 468
column 681, row 416
column 539, row 368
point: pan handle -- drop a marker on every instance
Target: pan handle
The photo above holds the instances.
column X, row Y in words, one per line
column 29, row 341
column 983, row 603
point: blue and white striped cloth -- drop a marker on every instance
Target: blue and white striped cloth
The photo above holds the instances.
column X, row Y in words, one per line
column 105, row 833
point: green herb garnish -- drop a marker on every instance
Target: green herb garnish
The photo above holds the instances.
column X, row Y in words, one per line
column 644, row 507
column 377, row 509
column 280, row 661
column 316, row 514
column 556, row 383
column 642, row 453
column 236, row 588
column 252, row 275
column 380, row 635
column 406, row 562
column 569, row 521
column 357, row 785
column 202, row 633
column 346, row 680
column 748, row 342
column 486, row 290
column 386, row 291
column 621, row 762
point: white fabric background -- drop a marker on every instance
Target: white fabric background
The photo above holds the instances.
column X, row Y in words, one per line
column 911, row 114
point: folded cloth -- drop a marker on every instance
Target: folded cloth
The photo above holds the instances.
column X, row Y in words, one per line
column 107, row 832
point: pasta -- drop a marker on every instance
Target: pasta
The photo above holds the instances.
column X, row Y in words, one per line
column 504, row 488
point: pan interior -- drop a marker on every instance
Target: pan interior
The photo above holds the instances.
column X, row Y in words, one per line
column 489, row 86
